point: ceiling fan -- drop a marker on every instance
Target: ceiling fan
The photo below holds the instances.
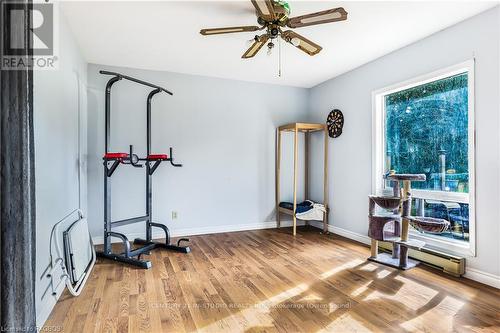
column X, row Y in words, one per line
column 273, row 17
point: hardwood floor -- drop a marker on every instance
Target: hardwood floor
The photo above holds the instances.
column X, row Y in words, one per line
column 269, row 281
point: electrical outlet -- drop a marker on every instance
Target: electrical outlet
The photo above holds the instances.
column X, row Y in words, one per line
column 174, row 215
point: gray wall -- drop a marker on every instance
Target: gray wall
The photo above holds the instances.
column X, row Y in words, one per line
column 350, row 166
column 223, row 132
column 59, row 97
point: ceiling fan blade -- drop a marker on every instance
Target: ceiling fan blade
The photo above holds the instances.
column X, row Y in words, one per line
column 265, row 9
column 326, row 16
column 228, row 30
column 301, row 42
column 256, row 46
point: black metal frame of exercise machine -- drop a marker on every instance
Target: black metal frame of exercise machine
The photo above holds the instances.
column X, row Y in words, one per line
column 111, row 162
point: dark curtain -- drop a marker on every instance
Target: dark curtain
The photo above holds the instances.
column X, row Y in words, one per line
column 17, row 187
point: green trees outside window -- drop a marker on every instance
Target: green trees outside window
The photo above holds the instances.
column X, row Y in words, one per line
column 426, row 131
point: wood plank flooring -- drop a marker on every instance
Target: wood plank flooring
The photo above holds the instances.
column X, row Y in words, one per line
column 269, row 281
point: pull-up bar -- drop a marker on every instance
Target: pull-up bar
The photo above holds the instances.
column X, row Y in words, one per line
column 126, row 77
column 111, row 160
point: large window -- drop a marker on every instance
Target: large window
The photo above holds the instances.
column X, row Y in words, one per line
column 426, row 126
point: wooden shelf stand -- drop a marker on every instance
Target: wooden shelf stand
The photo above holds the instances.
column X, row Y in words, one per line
column 307, row 129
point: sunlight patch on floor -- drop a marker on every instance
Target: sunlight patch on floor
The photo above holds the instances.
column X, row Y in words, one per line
column 382, row 274
column 335, row 270
column 419, row 302
column 442, row 315
column 410, row 296
column 451, row 305
column 283, row 296
column 311, row 298
column 369, row 267
column 361, row 289
column 257, row 315
column 404, row 289
column 346, row 323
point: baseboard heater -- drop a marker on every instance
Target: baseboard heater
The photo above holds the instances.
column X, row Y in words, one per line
column 448, row 263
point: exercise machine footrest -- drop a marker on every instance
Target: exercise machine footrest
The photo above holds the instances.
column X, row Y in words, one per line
column 131, row 261
column 177, row 248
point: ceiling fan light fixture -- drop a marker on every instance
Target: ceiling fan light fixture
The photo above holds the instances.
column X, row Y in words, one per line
column 270, row 47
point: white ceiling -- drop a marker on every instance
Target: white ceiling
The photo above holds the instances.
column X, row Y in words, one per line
column 164, row 35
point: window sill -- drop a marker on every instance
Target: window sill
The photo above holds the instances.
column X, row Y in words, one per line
column 459, row 197
column 451, row 246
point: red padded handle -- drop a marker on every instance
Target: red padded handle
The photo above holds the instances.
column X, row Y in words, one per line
column 155, row 157
column 115, row 156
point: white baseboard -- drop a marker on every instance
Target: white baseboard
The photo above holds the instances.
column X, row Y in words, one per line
column 351, row 235
column 343, row 232
column 201, row 231
column 482, row 277
column 47, row 304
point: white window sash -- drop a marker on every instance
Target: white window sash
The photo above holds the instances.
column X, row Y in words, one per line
column 378, row 156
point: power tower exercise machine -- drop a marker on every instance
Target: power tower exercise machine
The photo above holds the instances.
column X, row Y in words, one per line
column 151, row 162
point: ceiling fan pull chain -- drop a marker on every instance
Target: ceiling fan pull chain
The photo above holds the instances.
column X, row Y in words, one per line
column 279, row 57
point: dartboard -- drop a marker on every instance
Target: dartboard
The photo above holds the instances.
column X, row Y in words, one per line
column 335, row 122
